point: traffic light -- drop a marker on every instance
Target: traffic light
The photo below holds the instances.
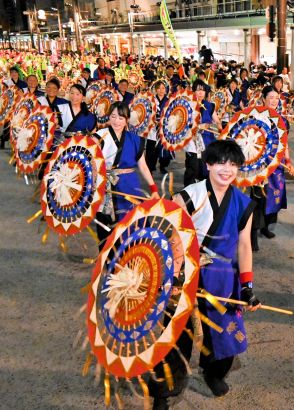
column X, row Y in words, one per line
column 271, row 25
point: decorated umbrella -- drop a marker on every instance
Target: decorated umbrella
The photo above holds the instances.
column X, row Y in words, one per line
column 125, row 305
column 21, row 113
column 73, row 185
column 92, row 92
column 262, row 135
column 135, row 78
column 220, row 99
column 255, row 97
column 102, row 103
column 179, row 120
column 8, row 100
column 34, row 140
column 143, row 113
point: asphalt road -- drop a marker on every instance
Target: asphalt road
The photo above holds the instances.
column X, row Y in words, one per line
column 40, row 297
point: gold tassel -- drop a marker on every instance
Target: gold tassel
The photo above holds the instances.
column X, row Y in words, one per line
column 107, row 389
column 35, row 216
column 171, row 183
column 86, row 288
column 87, row 364
column 63, row 245
column 168, row 376
column 45, row 235
column 214, row 302
column 145, row 392
column 205, row 351
column 89, row 261
column 210, row 323
column 10, row 162
column 132, row 200
column 93, row 234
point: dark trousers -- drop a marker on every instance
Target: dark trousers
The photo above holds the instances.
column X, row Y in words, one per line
column 101, row 232
column 195, row 169
column 152, row 155
column 176, row 364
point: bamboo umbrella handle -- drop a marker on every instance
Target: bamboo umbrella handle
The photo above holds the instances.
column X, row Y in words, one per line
column 240, row 302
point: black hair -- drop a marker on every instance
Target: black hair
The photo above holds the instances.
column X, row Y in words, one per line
column 14, row 69
column 243, row 70
column 169, row 66
column 222, row 151
column 123, row 80
column 122, row 109
column 54, row 81
column 109, row 71
column 80, row 88
column 201, row 72
column 267, row 89
column 277, row 78
column 233, row 80
column 199, row 84
column 86, row 70
column 159, row 83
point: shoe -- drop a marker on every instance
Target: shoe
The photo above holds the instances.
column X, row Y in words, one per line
column 268, row 234
column 218, row 386
column 163, row 171
column 160, row 403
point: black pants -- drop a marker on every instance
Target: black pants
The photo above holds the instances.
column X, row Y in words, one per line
column 211, row 366
column 195, row 169
column 152, row 155
column 176, row 364
column 6, row 134
column 101, row 232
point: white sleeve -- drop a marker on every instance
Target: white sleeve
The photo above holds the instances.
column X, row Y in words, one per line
column 66, row 116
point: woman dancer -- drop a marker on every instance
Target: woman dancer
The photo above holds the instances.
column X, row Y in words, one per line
column 124, row 155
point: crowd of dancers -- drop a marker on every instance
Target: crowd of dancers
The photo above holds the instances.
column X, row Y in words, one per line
column 221, row 90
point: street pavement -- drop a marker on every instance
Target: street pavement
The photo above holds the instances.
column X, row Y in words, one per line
column 40, row 299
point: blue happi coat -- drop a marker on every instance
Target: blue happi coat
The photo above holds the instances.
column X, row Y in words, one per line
column 218, row 229
column 206, row 118
column 122, row 154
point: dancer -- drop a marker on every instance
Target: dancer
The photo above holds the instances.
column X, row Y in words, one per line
column 124, row 155
column 154, row 149
column 272, row 197
column 78, row 118
column 195, row 167
column 223, row 223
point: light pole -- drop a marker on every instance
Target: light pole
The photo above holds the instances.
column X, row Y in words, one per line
column 76, row 12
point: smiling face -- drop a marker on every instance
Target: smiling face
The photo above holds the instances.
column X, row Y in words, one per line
column 117, row 122
column 222, row 174
column 272, row 100
column 51, row 90
column 32, row 82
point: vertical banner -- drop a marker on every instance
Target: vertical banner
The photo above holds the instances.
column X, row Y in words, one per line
column 168, row 28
